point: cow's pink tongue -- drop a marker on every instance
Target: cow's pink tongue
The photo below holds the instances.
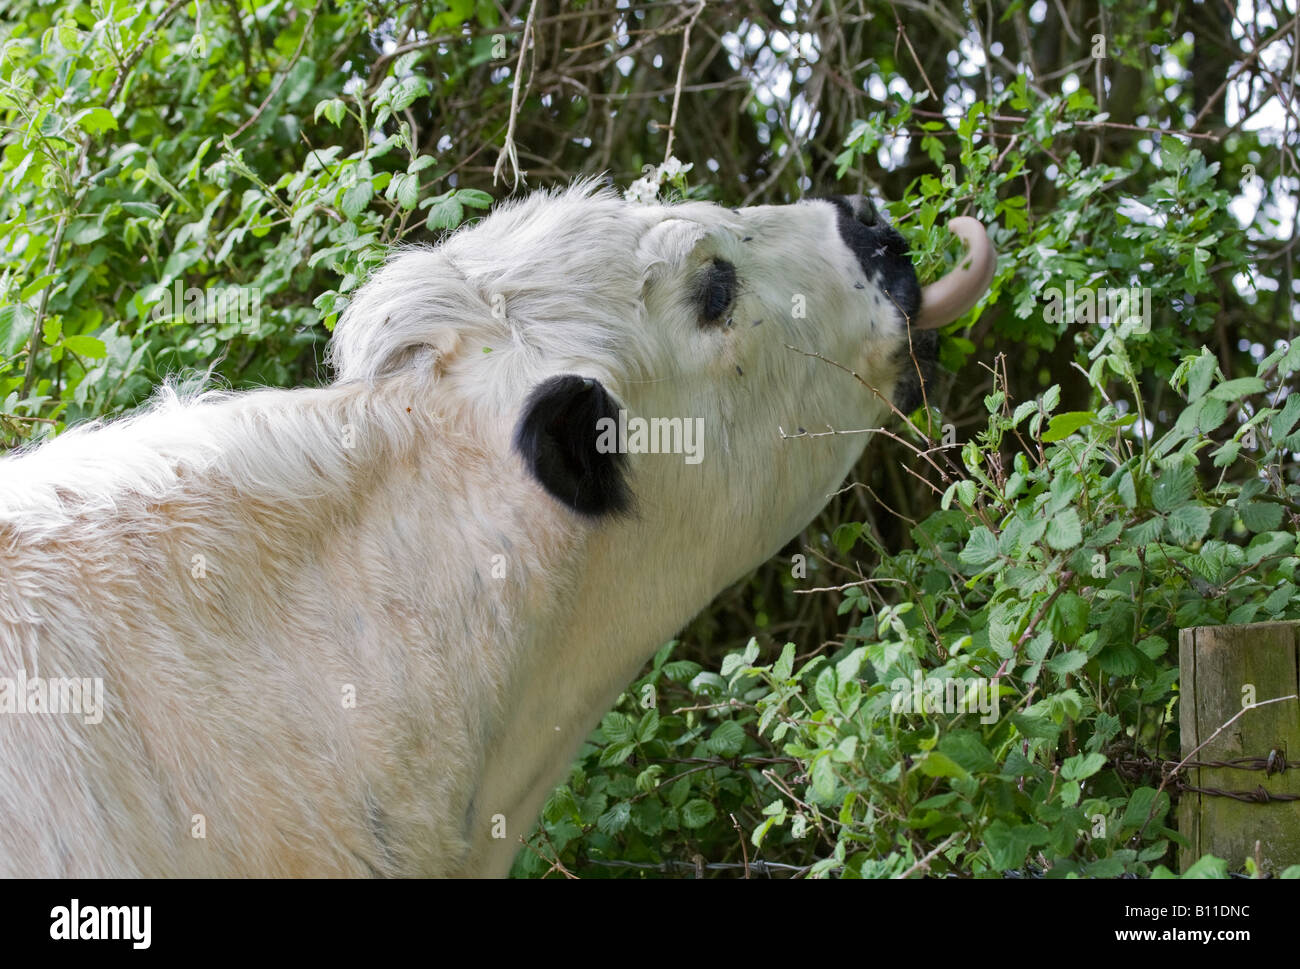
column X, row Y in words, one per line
column 946, row 299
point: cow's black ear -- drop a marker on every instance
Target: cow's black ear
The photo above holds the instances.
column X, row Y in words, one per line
column 562, row 423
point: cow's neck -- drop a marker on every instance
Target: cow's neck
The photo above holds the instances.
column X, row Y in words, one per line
column 628, row 595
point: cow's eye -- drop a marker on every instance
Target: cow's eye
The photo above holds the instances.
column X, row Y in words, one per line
column 717, row 290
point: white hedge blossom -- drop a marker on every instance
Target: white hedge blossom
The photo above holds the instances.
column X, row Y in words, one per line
column 673, row 169
column 646, row 188
column 642, row 190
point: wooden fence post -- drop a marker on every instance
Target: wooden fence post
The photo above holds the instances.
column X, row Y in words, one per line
column 1223, row 669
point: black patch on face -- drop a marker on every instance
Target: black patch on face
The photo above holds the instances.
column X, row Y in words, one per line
column 884, row 257
column 715, row 290
column 557, row 437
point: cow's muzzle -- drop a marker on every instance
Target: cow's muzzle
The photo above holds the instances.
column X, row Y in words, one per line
column 944, row 300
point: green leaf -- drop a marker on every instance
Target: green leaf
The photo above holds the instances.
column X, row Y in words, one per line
column 1173, row 488
column 445, row 213
column 92, row 348
column 35, row 286
column 732, row 663
column 662, row 653
column 1082, row 766
column 1207, row 866
column 981, row 548
column 967, row 750
column 1009, row 845
column 727, row 739
column 15, row 327
column 647, row 816
column 1064, row 531
column 408, row 191
column 408, row 90
column 1023, row 411
column 1145, row 803
column 617, row 753
column 848, row 668
column 1036, row 726
column 1260, row 516
column 936, row 764
column 680, row 670
column 1284, row 421
column 299, row 81
column 1188, row 524
column 86, row 232
column 333, row 109
column 1231, row 390
column 142, row 210
column 1227, row 454
column 560, row 804
column 648, row 727
column 845, row 751
column 697, row 812
column 784, row 666
column 1065, row 424
column 1067, row 662
column 824, row 780
column 1069, row 617
column 756, row 839
column 1207, row 414
column 474, row 198
column 356, row 198
column 616, row 726
column 845, row 535
column 1266, row 545
column 1127, row 490
column 615, row 819
column 679, row 791
column 824, row 689
column 95, row 120
column 648, row 779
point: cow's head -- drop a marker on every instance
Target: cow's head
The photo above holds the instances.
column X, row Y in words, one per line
column 778, row 333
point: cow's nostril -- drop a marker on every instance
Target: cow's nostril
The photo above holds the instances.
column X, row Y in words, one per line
column 864, row 210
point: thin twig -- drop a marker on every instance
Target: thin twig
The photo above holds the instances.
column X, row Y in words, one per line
column 681, row 78
column 508, row 150
column 744, row 852
column 925, row 862
column 284, row 76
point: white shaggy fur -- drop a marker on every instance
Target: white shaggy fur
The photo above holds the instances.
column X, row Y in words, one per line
column 232, row 565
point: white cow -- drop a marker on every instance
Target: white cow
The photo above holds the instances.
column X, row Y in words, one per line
column 362, row 629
